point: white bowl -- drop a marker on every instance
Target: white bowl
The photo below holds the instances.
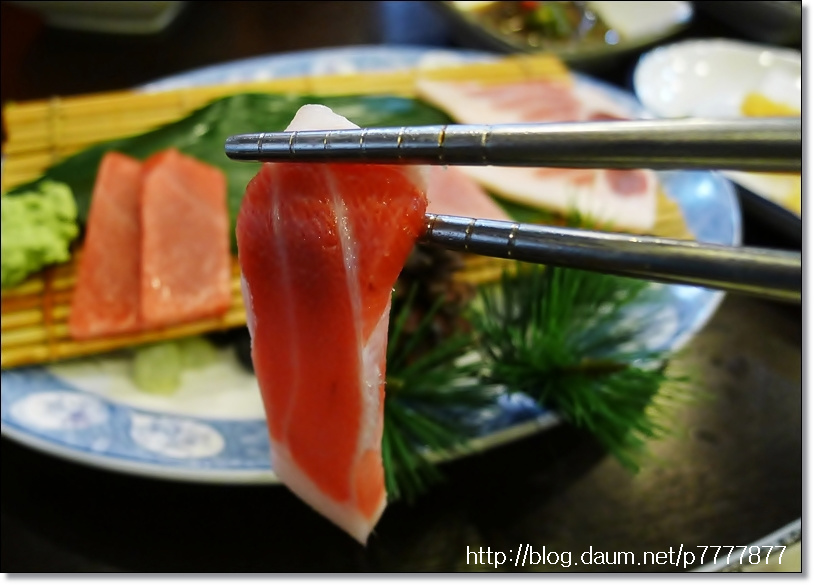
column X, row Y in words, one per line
column 710, row 78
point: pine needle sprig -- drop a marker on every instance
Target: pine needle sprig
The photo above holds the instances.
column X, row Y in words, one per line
column 568, row 338
column 561, row 336
column 430, row 388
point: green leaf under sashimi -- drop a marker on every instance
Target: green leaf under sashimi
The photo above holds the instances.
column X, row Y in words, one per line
column 203, row 133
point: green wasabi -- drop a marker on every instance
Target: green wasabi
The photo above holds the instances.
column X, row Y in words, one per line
column 157, row 368
column 37, row 228
column 197, row 352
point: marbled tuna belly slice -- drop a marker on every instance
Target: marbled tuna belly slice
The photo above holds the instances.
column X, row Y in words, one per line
column 624, row 199
column 452, row 192
column 106, row 299
column 320, row 248
column 186, row 266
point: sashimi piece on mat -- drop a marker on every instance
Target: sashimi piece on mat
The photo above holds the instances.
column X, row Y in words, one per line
column 623, row 199
column 320, row 249
column 186, row 269
column 106, row 299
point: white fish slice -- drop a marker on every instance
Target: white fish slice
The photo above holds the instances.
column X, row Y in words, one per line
column 591, row 194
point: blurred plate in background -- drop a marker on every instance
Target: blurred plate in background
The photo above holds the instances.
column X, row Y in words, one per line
column 213, row 429
column 729, row 79
column 586, row 35
column 139, row 17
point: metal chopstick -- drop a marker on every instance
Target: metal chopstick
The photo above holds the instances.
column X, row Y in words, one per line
column 764, row 144
column 771, row 274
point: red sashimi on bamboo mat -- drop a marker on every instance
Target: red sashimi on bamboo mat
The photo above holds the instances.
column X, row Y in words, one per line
column 156, row 250
column 106, row 296
column 186, row 269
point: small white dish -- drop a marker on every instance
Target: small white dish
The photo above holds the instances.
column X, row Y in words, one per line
column 636, row 21
column 712, row 78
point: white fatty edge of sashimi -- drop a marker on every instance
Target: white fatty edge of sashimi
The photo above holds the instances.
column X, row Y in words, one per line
column 345, row 515
column 248, row 303
column 319, row 117
column 371, row 378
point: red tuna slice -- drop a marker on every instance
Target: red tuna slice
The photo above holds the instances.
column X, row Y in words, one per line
column 186, row 268
column 451, row 192
column 106, row 298
column 320, row 248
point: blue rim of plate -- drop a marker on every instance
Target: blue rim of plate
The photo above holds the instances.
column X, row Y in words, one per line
column 51, row 414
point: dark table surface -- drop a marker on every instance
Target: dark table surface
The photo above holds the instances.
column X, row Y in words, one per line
column 731, row 475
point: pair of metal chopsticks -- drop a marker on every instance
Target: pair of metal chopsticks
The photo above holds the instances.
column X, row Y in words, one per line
column 768, row 144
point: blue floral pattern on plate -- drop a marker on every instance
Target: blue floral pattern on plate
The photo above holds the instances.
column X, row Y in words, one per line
column 56, row 414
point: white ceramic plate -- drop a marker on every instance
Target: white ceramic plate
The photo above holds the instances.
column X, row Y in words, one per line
column 711, row 78
column 213, row 429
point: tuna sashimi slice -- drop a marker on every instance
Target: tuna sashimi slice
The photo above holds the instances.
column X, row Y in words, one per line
column 621, row 198
column 452, row 192
column 106, row 297
column 624, row 199
column 320, row 249
column 186, row 268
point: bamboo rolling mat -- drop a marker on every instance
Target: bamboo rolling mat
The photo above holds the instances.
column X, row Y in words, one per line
column 41, row 133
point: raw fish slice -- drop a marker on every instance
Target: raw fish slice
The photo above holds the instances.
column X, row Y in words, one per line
column 615, row 198
column 106, row 298
column 186, row 268
column 619, row 198
column 320, row 248
column 506, row 103
column 451, row 192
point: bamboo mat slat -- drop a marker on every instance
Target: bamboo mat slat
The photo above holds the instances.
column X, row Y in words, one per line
column 61, row 124
column 35, row 313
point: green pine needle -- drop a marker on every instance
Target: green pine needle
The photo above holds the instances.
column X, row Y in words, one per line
column 428, row 391
column 559, row 336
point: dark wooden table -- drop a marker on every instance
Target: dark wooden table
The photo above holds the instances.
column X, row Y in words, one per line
column 732, row 475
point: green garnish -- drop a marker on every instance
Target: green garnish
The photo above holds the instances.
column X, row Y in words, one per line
column 38, row 226
column 558, row 335
column 157, row 368
column 197, row 352
column 425, row 394
column 551, row 19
